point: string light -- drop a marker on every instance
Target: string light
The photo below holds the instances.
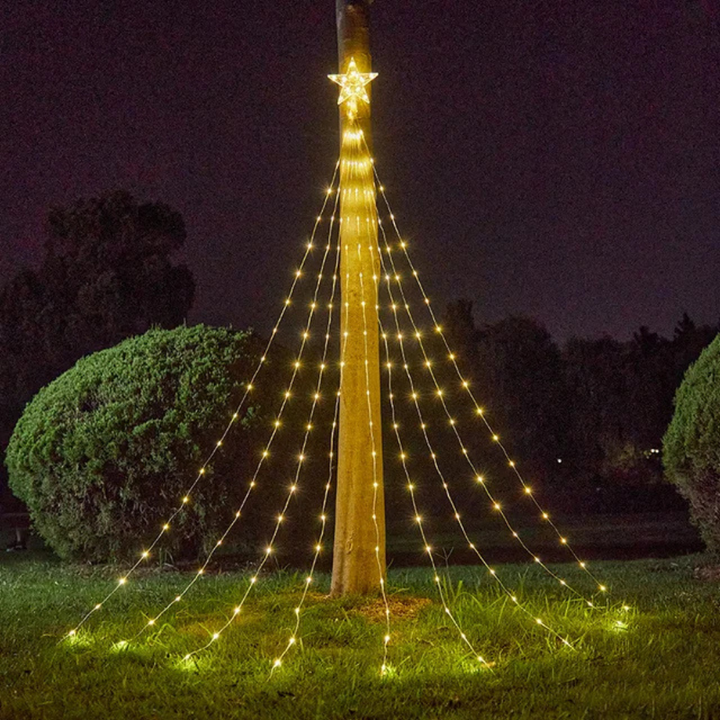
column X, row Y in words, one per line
column 354, row 90
column 266, row 451
column 446, row 487
column 165, row 527
column 418, row 517
column 383, row 667
column 496, row 506
column 298, row 467
column 466, row 387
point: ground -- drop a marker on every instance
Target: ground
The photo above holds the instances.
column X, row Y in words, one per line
column 651, row 652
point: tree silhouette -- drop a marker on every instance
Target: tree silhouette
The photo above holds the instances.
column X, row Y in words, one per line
column 106, row 274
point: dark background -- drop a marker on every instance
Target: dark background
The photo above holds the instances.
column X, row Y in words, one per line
column 554, row 158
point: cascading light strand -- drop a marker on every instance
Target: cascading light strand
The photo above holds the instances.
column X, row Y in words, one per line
column 416, row 511
column 166, row 526
column 275, row 428
column 373, row 450
column 527, row 489
column 417, row 335
column 316, row 396
column 295, row 633
column 446, row 486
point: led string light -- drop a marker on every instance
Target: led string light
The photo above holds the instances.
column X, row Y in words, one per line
column 292, row 640
column 418, row 516
column 497, row 507
column 446, row 487
column 298, row 468
column 354, row 167
column 276, row 426
column 373, row 450
column 465, row 385
column 356, row 182
column 527, row 490
column 359, row 172
column 167, row 525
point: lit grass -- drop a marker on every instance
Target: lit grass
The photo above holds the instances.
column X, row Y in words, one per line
column 659, row 659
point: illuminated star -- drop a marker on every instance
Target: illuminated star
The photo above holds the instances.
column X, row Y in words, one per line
column 352, row 87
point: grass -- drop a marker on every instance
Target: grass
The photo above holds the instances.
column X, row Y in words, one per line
column 659, row 659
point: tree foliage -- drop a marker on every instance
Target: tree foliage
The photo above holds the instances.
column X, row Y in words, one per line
column 102, row 454
column 600, row 406
column 106, row 275
column 691, row 446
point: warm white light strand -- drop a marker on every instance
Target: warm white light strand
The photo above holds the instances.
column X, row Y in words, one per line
column 358, row 171
column 545, row 516
column 497, row 507
column 373, row 450
column 299, row 465
column 293, row 639
column 167, row 525
column 417, row 515
column 446, row 487
column 276, row 425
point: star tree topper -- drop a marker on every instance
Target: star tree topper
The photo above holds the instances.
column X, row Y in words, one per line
column 352, row 87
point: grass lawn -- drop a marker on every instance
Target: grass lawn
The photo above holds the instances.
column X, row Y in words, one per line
column 659, row 659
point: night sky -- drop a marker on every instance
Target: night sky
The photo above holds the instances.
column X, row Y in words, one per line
column 553, row 158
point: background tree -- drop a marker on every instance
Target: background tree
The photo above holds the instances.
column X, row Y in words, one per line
column 521, row 375
column 517, row 374
column 106, row 274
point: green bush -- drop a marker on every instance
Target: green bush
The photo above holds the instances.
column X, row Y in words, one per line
column 102, row 455
column 691, row 447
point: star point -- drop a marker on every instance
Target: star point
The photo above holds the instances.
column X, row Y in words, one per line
column 352, row 87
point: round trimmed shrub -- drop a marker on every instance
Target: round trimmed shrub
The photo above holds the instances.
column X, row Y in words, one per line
column 103, row 454
column 691, row 446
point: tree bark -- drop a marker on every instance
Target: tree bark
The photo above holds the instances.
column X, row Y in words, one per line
column 359, row 545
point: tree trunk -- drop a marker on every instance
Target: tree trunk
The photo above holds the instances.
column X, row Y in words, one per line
column 359, row 547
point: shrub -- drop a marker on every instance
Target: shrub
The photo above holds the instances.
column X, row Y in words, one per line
column 102, row 455
column 691, row 447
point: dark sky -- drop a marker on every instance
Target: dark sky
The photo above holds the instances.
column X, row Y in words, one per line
column 555, row 158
